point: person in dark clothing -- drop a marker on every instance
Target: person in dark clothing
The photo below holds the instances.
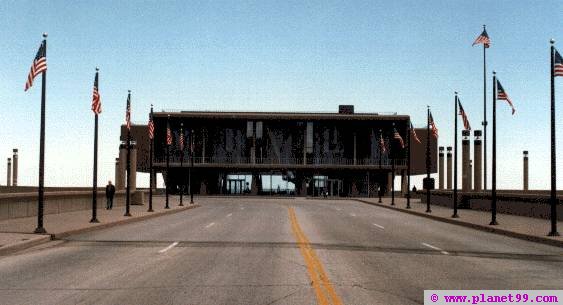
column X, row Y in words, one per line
column 110, row 191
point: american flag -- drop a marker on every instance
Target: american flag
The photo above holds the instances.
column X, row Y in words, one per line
column 483, row 38
column 96, row 104
column 557, row 64
column 151, row 127
column 38, row 66
column 128, row 112
column 398, row 137
column 181, row 140
column 382, row 143
column 501, row 95
column 414, row 135
column 466, row 124
column 168, row 134
column 433, row 126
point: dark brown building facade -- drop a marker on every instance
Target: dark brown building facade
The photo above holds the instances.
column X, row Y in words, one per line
column 334, row 153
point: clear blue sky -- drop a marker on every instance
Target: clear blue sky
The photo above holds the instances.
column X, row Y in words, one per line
column 274, row 56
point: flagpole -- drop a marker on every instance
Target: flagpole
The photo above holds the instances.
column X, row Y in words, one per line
column 485, row 113
column 428, row 210
column 41, row 191
column 128, row 191
column 392, row 173
column 409, row 166
column 455, row 215
column 151, row 178
column 95, row 178
column 167, row 206
column 380, row 156
column 191, row 166
column 494, row 182
column 553, row 197
column 182, row 163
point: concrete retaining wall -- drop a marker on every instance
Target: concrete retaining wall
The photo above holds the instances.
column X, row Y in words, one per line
column 508, row 202
column 18, row 205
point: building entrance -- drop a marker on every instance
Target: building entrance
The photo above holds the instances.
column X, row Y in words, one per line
column 235, row 186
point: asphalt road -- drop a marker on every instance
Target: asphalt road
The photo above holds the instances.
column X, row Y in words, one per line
column 275, row 251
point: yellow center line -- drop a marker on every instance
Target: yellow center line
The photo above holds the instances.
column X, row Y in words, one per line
column 314, row 266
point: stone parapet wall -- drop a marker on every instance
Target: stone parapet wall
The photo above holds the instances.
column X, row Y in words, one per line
column 16, row 205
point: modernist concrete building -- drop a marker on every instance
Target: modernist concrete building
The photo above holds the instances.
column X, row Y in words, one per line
column 238, row 152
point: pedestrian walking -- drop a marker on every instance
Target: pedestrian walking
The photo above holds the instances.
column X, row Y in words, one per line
column 110, row 191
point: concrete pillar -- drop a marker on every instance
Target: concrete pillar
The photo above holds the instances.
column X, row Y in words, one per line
column 133, row 184
column 450, row 168
column 525, row 170
column 15, row 168
column 470, row 175
column 120, row 181
column 9, row 173
column 477, row 158
column 116, row 173
column 256, row 184
column 465, row 160
column 404, row 185
column 441, row 168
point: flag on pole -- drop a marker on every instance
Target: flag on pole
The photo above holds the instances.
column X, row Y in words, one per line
column 466, row 124
column 433, row 126
column 96, row 104
column 168, row 134
column 128, row 112
column 398, row 137
column 382, row 143
column 501, row 95
column 151, row 127
column 557, row 64
column 38, row 66
column 483, row 39
column 413, row 132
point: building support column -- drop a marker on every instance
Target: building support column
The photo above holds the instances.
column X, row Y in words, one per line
column 120, row 183
column 355, row 161
column 115, row 181
column 441, row 168
column 404, row 186
column 133, row 176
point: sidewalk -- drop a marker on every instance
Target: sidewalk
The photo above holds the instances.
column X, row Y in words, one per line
column 17, row 234
column 528, row 228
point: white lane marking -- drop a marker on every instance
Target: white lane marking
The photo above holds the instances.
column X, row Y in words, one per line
column 435, row 248
column 339, row 209
column 169, row 247
column 381, row 227
column 242, row 208
column 231, row 214
column 352, row 214
column 209, row 225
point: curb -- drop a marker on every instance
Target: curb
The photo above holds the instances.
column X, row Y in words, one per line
column 49, row 237
column 120, row 222
column 537, row 239
column 24, row 245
